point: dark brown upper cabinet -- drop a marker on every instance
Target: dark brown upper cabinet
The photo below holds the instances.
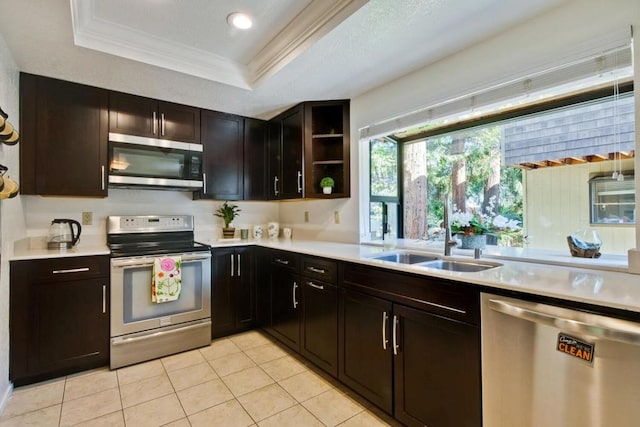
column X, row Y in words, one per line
column 255, row 159
column 64, row 129
column 307, row 143
column 234, row 157
column 222, row 155
column 286, row 174
column 140, row 116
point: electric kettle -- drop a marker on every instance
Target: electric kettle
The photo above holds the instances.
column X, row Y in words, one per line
column 61, row 234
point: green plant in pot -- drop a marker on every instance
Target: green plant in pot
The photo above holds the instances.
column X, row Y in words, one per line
column 327, row 184
column 227, row 212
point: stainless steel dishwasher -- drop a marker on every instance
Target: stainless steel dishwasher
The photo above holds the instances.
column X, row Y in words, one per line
column 548, row 366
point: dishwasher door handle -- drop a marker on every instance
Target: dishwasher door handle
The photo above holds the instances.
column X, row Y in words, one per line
column 591, row 324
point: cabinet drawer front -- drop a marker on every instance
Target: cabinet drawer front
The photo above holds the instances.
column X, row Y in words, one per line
column 437, row 296
column 320, row 269
column 285, row 259
column 73, row 268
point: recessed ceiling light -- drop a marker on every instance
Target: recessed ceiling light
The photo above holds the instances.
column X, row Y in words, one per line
column 240, row 20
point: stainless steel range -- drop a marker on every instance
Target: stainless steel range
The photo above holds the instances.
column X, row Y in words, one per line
column 140, row 328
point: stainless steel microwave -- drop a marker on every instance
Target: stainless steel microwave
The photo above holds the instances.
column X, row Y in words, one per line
column 136, row 161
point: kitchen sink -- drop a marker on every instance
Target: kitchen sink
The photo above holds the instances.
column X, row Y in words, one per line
column 406, row 258
column 459, row 266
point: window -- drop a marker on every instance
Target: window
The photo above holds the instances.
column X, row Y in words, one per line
column 384, row 187
column 529, row 165
column 613, row 201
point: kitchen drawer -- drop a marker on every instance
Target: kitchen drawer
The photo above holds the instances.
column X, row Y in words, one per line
column 320, row 269
column 284, row 259
column 69, row 268
column 437, row 296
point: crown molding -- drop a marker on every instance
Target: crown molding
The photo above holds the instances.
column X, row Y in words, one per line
column 309, row 26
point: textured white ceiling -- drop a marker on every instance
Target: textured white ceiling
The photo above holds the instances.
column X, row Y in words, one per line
column 383, row 40
column 202, row 23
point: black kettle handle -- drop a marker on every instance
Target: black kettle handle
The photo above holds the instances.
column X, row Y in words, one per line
column 75, row 236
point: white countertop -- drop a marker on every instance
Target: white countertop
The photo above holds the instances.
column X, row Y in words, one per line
column 606, row 287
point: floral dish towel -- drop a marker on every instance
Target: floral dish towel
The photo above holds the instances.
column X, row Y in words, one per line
column 167, row 280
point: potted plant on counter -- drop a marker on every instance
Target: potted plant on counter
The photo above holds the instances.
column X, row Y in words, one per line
column 327, row 184
column 227, row 212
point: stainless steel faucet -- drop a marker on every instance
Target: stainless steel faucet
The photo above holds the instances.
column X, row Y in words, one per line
column 448, row 241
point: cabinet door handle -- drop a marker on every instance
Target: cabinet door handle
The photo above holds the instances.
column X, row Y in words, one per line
column 299, row 181
column 104, row 299
column 204, row 183
column 102, row 175
column 282, row 261
column 155, row 123
column 162, row 126
column 295, row 302
column 71, row 270
column 395, row 335
column 232, row 265
column 275, row 186
column 316, row 270
column 385, row 341
column 238, row 265
column 313, row 285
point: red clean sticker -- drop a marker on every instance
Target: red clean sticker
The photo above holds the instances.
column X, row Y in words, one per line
column 574, row 347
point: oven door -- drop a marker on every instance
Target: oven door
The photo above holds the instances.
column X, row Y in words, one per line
column 131, row 307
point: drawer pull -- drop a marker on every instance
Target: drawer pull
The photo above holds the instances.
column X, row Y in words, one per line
column 317, row 270
column 282, row 261
column 71, row 270
column 313, row 285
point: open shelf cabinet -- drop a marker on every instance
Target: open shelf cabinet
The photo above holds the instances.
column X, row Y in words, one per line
column 327, row 147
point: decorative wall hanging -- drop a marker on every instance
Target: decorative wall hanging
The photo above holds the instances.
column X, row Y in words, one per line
column 8, row 187
column 8, row 134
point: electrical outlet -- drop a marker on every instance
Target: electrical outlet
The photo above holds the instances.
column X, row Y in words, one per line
column 87, row 218
column 336, row 217
column 306, row 216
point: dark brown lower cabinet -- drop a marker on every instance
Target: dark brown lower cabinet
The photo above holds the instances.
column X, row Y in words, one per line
column 364, row 348
column 319, row 323
column 285, row 307
column 437, row 370
column 59, row 317
column 422, row 368
column 232, row 291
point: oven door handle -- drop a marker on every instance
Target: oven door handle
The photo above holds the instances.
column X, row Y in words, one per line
column 148, row 262
column 125, row 341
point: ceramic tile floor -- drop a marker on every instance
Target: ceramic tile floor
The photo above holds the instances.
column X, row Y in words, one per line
column 242, row 380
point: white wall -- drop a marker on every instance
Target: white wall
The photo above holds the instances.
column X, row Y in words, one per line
column 12, row 224
column 563, row 34
column 41, row 210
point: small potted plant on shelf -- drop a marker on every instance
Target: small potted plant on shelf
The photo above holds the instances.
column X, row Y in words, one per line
column 327, row 184
column 227, row 212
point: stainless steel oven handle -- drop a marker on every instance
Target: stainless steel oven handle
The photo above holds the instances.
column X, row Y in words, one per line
column 148, row 262
column 125, row 341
